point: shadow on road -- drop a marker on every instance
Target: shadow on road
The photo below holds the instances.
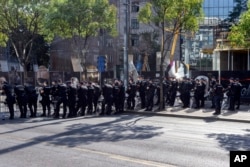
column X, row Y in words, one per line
column 233, row 142
column 117, row 129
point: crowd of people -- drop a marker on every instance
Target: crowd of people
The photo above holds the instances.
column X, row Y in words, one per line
column 80, row 98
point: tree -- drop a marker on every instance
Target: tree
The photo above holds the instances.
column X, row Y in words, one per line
column 20, row 25
column 79, row 20
column 240, row 7
column 172, row 17
column 240, row 32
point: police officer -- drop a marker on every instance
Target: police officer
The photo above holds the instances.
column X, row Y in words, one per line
column 198, row 93
column 96, row 96
column 10, row 99
column 54, row 95
column 107, row 102
column 131, row 91
column 185, row 89
column 45, row 92
column 72, row 97
column 90, row 97
column 231, row 89
column 218, row 96
column 203, row 85
column 21, row 98
column 116, row 93
column 158, row 92
column 141, row 87
column 32, row 96
column 122, row 95
column 238, row 88
column 166, row 90
column 172, row 91
column 61, row 99
column 150, row 93
column 211, row 89
column 82, row 98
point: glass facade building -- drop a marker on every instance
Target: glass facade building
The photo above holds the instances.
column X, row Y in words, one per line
column 197, row 51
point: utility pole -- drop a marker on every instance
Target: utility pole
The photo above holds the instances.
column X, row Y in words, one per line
column 125, row 56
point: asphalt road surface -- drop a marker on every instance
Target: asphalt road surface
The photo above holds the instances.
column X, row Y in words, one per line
column 120, row 140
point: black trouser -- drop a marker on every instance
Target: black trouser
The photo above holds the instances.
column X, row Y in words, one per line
column 185, row 98
column 217, row 102
column 197, row 101
column 10, row 103
column 172, row 98
column 213, row 101
column 231, row 102
column 60, row 101
column 46, row 105
column 32, row 104
column 72, row 107
column 22, row 104
column 237, row 101
column 121, row 103
column 150, row 102
column 81, row 105
column 131, row 101
column 95, row 102
column 143, row 99
column 107, row 105
column 90, row 104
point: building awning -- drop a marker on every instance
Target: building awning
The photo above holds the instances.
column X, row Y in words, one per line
column 92, row 69
column 76, row 64
column 208, row 51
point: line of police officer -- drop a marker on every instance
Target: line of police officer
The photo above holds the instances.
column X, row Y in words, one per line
column 24, row 95
column 79, row 98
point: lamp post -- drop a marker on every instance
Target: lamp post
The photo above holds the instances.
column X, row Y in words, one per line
column 125, row 53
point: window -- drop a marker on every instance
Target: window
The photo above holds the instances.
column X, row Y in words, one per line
column 135, row 7
column 134, row 40
column 134, row 24
column 109, row 43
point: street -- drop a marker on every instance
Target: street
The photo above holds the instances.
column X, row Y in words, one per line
column 121, row 140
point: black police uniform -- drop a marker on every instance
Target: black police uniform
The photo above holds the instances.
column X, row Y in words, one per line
column 150, row 93
column 96, row 96
column 90, row 98
column 142, row 92
column 185, row 89
column 61, row 99
column 211, row 92
column 218, row 97
column 21, row 98
column 231, row 95
column 172, row 92
column 45, row 101
column 116, row 93
column 121, row 99
column 72, row 98
column 10, row 99
column 82, row 99
column 198, row 93
column 131, row 91
column 32, row 96
column 107, row 92
column 238, row 88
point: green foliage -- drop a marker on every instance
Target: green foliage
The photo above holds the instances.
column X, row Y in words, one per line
column 239, row 8
column 67, row 18
column 240, row 33
column 20, row 25
column 184, row 14
column 16, row 13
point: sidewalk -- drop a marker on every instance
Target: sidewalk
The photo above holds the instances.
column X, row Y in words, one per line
column 241, row 115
